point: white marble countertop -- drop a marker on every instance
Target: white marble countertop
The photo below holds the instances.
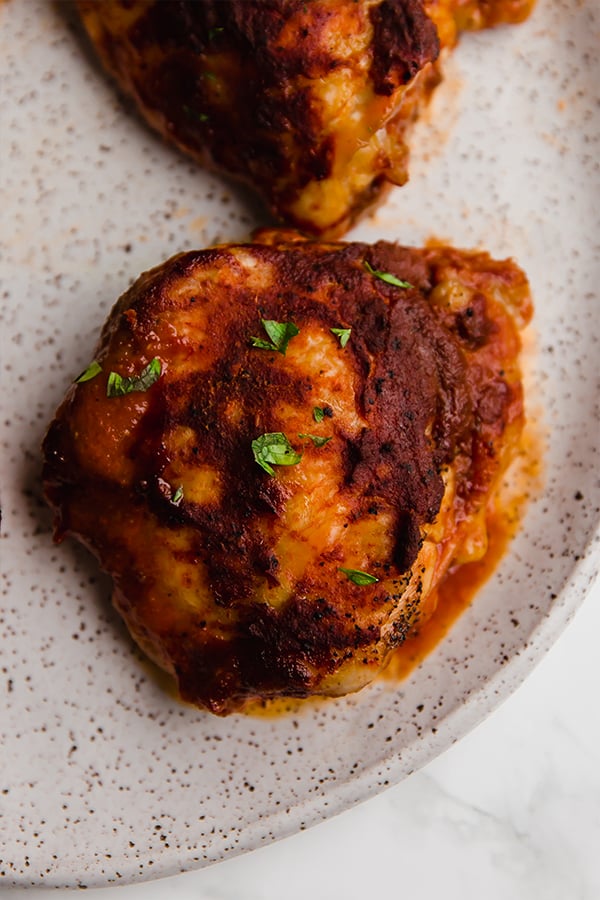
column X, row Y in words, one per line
column 512, row 811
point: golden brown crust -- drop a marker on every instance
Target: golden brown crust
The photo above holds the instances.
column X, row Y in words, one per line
column 308, row 102
column 237, row 588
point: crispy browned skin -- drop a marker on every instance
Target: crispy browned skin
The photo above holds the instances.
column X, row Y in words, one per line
column 237, row 590
column 310, row 102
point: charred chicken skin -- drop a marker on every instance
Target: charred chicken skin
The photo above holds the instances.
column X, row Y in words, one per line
column 309, row 102
column 280, row 449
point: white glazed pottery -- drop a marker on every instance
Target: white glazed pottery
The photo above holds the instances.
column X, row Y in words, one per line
column 104, row 776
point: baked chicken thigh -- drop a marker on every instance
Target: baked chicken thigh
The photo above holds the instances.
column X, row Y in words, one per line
column 309, row 101
column 281, row 447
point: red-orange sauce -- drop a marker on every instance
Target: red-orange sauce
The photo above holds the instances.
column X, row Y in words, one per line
column 454, row 595
column 461, row 584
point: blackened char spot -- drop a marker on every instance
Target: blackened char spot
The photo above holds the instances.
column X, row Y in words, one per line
column 286, row 646
column 473, row 324
column 408, row 540
column 272, row 652
column 404, row 40
column 414, row 396
column 320, row 159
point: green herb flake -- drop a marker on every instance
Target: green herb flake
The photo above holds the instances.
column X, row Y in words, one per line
column 356, row 576
column 317, row 440
column 195, row 114
column 318, row 414
column 210, row 76
column 118, row 385
column 213, row 32
column 274, row 449
column 92, row 370
column 261, row 344
column 177, row 497
column 387, row 277
column 280, row 334
column 343, row 334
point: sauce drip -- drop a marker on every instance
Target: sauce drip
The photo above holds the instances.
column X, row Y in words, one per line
column 461, row 584
column 453, row 596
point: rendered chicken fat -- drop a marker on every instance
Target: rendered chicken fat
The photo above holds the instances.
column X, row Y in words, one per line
column 241, row 583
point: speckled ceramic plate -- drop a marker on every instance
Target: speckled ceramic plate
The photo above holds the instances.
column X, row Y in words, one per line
column 103, row 775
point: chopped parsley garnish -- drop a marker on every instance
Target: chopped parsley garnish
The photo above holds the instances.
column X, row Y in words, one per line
column 343, row 334
column 356, row 576
column 210, row 76
column 118, row 385
column 213, row 32
column 318, row 414
column 92, row 370
column 387, row 276
column 195, row 114
column 274, row 449
column 317, row 440
column 280, row 334
column 177, row 496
